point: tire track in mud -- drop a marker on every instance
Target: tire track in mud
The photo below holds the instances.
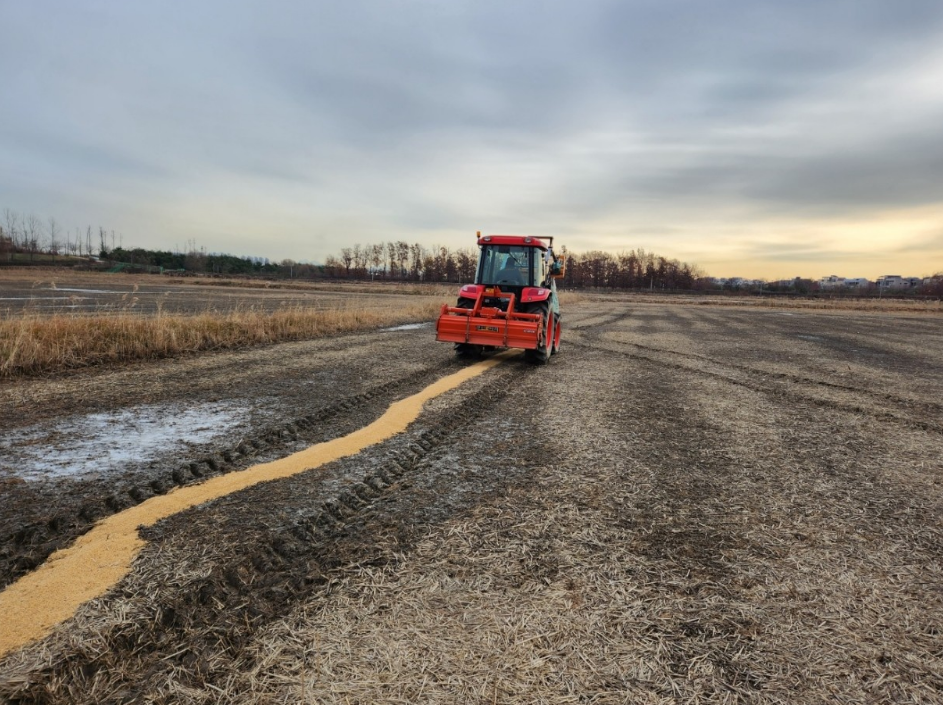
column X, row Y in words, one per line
column 668, row 499
column 25, row 548
column 100, row 558
column 618, row 347
column 798, row 379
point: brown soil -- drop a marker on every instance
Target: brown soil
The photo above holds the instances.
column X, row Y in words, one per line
column 689, row 503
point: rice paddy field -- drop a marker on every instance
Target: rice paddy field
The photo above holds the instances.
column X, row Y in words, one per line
column 692, row 502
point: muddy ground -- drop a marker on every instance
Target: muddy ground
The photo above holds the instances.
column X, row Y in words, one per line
column 49, row 291
column 688, row 503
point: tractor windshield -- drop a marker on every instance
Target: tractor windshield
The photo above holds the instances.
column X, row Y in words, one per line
column 509, row 265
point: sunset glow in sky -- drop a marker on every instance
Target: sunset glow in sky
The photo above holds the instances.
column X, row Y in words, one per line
column 756, row 139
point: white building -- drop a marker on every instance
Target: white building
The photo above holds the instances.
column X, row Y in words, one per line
column 895, row 281
column 833, row 281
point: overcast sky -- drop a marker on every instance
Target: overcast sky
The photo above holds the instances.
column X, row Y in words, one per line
column 759, row 139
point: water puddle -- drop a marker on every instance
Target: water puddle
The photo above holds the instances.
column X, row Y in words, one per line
column 104, row 443
column 406, row 326
column 85, row 291
column 44, row 298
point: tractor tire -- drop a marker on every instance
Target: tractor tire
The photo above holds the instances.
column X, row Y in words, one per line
column 556, row 334
column 466, row 351
column 541, row 355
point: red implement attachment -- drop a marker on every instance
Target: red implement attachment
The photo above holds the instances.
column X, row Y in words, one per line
column 490, row 325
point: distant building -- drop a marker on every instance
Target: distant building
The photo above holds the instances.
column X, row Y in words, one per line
column 890, row 281
column 833, row 281
column 895, row 281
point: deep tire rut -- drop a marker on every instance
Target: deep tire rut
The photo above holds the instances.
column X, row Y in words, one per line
column 864, row 408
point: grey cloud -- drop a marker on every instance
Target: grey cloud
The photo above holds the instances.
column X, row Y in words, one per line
column 796, row 252
column 370, row 106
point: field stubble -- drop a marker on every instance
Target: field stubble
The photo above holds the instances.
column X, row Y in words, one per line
column 689, row 504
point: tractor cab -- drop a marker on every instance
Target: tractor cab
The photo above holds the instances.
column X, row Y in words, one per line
column 513, row 263
column 510, row 266
column 513, row 301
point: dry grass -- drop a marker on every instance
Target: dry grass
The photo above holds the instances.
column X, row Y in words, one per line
column 811, row 303
column 34, row 344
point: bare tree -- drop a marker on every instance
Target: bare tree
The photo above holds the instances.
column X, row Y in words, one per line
column 465, row 264
column 6, row 246
column 402, row 258
column 347, row 258
column 54, row 233
column 332, row 266
column 32, row 230
column 11, row 220
column 361, row 257
column 391, row 258
column 376, row 257
column 418, row 254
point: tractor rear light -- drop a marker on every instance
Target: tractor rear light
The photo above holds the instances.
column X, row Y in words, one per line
column 487, row 238
column 527, row 239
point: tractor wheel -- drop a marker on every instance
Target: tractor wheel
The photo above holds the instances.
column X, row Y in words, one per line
column 542, row 354
column 556, row 334
column 467, row 350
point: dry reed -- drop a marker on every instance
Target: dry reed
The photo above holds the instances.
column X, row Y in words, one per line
column 32, row 344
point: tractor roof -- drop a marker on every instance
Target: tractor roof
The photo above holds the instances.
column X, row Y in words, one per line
column 524, row 240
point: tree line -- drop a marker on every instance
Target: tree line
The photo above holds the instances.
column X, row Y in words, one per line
column 32, row 236
column 392, row 261
column 197, row 261
column 401, row 261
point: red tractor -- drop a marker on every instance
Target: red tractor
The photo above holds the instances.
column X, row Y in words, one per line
column 513, row 302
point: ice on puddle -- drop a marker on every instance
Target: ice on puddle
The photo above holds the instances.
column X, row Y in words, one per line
column 406, row 326
column 103, row 443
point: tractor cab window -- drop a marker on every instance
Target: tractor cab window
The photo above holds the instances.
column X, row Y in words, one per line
column 510, row 265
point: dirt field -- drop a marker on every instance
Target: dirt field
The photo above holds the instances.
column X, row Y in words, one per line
column 47, row 291
column 689, row 504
